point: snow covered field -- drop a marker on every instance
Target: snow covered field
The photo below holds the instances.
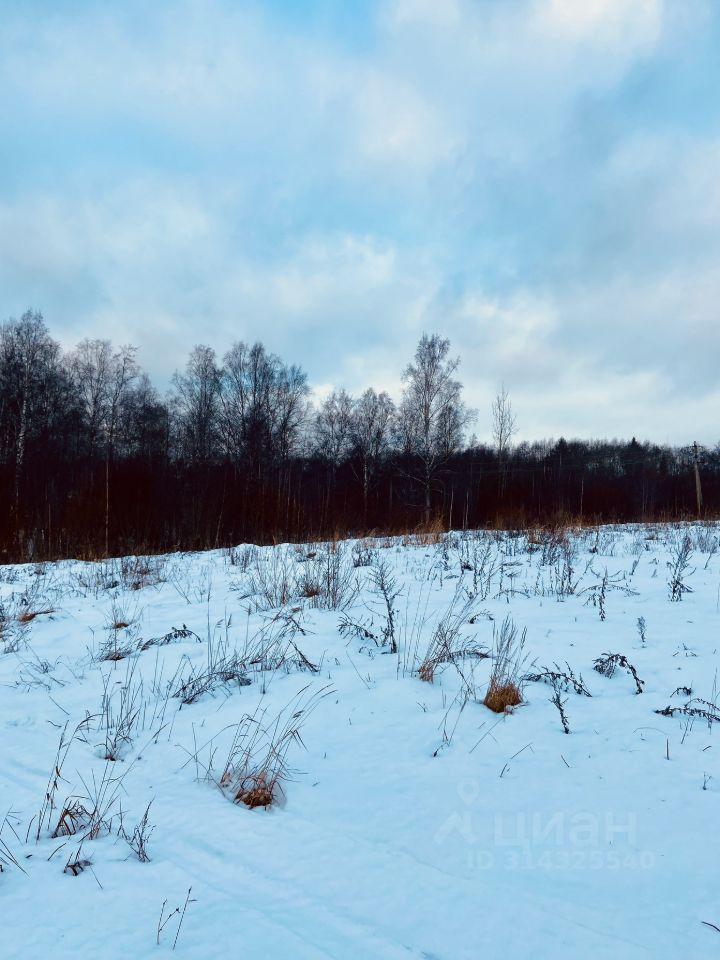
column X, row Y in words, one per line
column 408, row 820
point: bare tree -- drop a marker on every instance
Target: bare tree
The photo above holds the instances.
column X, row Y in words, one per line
column 196, row 404
column 30, row 376
column 331, row 438
column 143, row 423
column 85, row 437
column 89, row 367
column 246, row 401
column 432, row 414
column 504, row 428
column 332, row 427
column 101, row 379
column 291, row 410
column 123, row 370
column 370, row 432
column 262, row 405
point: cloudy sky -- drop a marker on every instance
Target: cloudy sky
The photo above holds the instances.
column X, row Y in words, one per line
column 538, row 180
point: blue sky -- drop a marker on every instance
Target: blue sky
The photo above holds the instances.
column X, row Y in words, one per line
column 536, row 179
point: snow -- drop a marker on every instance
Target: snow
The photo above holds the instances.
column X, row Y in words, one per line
column 416, row 823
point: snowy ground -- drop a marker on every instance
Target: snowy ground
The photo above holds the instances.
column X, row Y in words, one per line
column 416, row 823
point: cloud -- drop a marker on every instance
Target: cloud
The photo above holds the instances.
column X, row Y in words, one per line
column 612, row 21
column 536, row 180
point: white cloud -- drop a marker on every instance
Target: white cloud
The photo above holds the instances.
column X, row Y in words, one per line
column 607, row 21
column 337, row 199
column 447, row 13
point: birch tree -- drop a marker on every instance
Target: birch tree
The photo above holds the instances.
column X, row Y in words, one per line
column 432, row 414
column 370, row 430
column 504, row 428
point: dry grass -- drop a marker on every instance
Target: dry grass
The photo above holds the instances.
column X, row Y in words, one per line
column 224, row 666
column 425, row 534
column 254, row 790
column 121, row 615
column 257, row 766
column 274, row 579
column 448, row 643
column 71, row 820
column 139, row 572
column 114, row 649
column 76, row 865
column 309, row 588
column 27, row 616
column 504, row 691
column 330, row 583
column 501, row 698
column 426, row 671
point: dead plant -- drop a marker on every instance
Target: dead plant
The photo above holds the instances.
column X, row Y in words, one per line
column 257, row 766
column 504, row 690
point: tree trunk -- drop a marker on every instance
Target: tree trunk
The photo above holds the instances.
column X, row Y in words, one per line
column 107, row 502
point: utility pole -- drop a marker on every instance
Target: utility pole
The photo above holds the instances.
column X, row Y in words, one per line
column 698, row 487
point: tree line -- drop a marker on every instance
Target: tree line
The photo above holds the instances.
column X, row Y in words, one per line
column 95, row 461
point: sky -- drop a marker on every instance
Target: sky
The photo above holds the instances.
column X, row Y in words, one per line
column 535, row 179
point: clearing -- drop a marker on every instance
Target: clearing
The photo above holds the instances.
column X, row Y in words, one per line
column 284, row 752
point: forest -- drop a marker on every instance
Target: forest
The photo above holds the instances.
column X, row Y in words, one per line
column 96, row 461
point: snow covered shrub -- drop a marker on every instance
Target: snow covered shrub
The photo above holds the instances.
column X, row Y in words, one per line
column 139, row 572
column 360, row 630
column 504, row 689
column 274, row 579
column 566, row 579
column 240, row 557
column 609, row 662
column 275, row 645
column 120, row 615
column 559, row 704
column 706, row 540
column 385, row 587
column 9, row 574
column 364, row 553
column 550, row 540
column 12, row 633
column 16, row 617
column 606, row 583
column 480, row 556
column 562, row 679
column 309, row 585
column 696, row 708
column 679, row 567
column 194, row 585
column 96, row 578
column 121, row 641
column 331, row 582
column 223, row 667
column 115, row 649
column 173, row 635
column 383, row 626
